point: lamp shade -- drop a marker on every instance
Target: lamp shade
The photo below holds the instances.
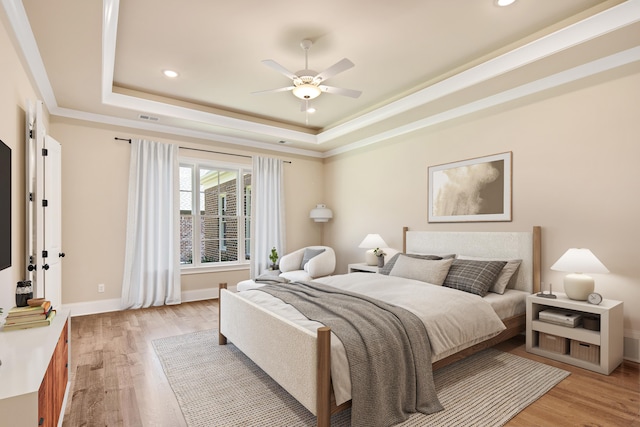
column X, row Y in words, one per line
column 580, row 260
column 321, row 213
column 578, row 285
column 372, row 241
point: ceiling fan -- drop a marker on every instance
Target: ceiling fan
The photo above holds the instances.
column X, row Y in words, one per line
column 307, row 84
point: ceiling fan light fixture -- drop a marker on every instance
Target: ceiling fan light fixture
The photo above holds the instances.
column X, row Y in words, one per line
column 306, row 91
column 170, row 73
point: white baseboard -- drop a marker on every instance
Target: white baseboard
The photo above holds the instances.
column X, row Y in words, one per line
column 107, row 305
column 93, row 307
column 631, row 337
column 632, row 345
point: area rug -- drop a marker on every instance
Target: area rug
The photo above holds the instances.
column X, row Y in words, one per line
column 219, row 386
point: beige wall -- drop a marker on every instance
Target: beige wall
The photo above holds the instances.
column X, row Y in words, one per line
column 575, row 173
column 95, row 173
column 15, row 90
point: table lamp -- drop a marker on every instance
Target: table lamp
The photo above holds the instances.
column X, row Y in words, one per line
column 371, row 242
column 577, row 284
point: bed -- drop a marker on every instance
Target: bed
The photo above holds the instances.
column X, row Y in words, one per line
column 299, row 357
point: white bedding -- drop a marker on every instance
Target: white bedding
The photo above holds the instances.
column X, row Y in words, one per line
column 453, row 319
column 511, row 303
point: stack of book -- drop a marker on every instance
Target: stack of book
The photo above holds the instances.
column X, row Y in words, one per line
column 29, row 317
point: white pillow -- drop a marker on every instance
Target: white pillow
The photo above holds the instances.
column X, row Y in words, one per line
column 503, row 279
column 430, row 271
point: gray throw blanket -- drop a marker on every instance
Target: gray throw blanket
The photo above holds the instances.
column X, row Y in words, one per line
column 387, row 348
column 270, row 278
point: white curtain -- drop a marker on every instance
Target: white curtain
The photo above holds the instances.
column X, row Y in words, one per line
column 152, row 259
column 268, row 229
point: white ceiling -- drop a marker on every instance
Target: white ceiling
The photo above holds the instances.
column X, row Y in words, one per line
column 417, row 62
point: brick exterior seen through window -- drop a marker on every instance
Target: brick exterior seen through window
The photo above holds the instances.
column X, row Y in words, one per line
column 218, row 224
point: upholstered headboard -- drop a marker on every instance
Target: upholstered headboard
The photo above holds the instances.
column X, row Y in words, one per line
column 500, row 245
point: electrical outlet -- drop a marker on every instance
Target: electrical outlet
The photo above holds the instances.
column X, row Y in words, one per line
column 101, row 287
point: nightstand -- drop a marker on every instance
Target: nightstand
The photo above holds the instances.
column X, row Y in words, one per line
column 597, row 347
column 362, row 267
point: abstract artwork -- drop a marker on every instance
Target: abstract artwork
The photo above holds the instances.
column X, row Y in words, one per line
column 471, row 190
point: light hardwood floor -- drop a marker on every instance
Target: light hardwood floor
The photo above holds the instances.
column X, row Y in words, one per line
column 116, row 379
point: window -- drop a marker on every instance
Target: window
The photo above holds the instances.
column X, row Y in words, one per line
column 215, row 214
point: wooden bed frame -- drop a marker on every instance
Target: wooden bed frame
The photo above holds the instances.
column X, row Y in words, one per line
column 272, row 341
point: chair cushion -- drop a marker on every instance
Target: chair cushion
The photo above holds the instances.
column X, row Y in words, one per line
column 308, row 254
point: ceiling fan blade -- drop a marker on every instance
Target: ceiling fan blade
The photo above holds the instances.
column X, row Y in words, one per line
column 341, row 91
column 336, row 68
column 279, row 68
column 280, row 89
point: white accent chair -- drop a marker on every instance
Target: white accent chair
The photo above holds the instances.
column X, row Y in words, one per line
column 292, row 269
column 322, row 264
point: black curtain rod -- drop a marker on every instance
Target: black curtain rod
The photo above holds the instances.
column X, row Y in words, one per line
column 205, row 151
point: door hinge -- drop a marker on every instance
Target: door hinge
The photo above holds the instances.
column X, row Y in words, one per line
column 45, row 152
column 45, row 254
column 45, row 203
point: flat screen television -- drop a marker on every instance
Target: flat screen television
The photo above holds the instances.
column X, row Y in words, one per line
column 5, row 206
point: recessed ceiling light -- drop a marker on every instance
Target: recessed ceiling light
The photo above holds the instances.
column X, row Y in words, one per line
column 311, row 110
column 503, row 3
column 170, row 73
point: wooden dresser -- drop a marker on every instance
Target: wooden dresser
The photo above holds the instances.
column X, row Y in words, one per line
column 34, row 375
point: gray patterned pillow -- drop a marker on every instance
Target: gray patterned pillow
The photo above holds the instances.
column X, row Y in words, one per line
column 388, row 266
column 475, row 277
column 506, row 277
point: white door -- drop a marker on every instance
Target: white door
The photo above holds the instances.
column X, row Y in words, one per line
column 52, row 221
column 43, row 209
column 29, row 167
column 34, row 168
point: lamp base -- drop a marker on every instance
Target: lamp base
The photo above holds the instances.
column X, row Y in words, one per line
column 370, row 258
column 578, row 286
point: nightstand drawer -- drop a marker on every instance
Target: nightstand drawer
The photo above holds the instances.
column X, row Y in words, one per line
column 553, row 343
column 585, row 351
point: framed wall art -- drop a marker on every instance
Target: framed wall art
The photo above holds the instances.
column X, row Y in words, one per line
column 473, row 190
